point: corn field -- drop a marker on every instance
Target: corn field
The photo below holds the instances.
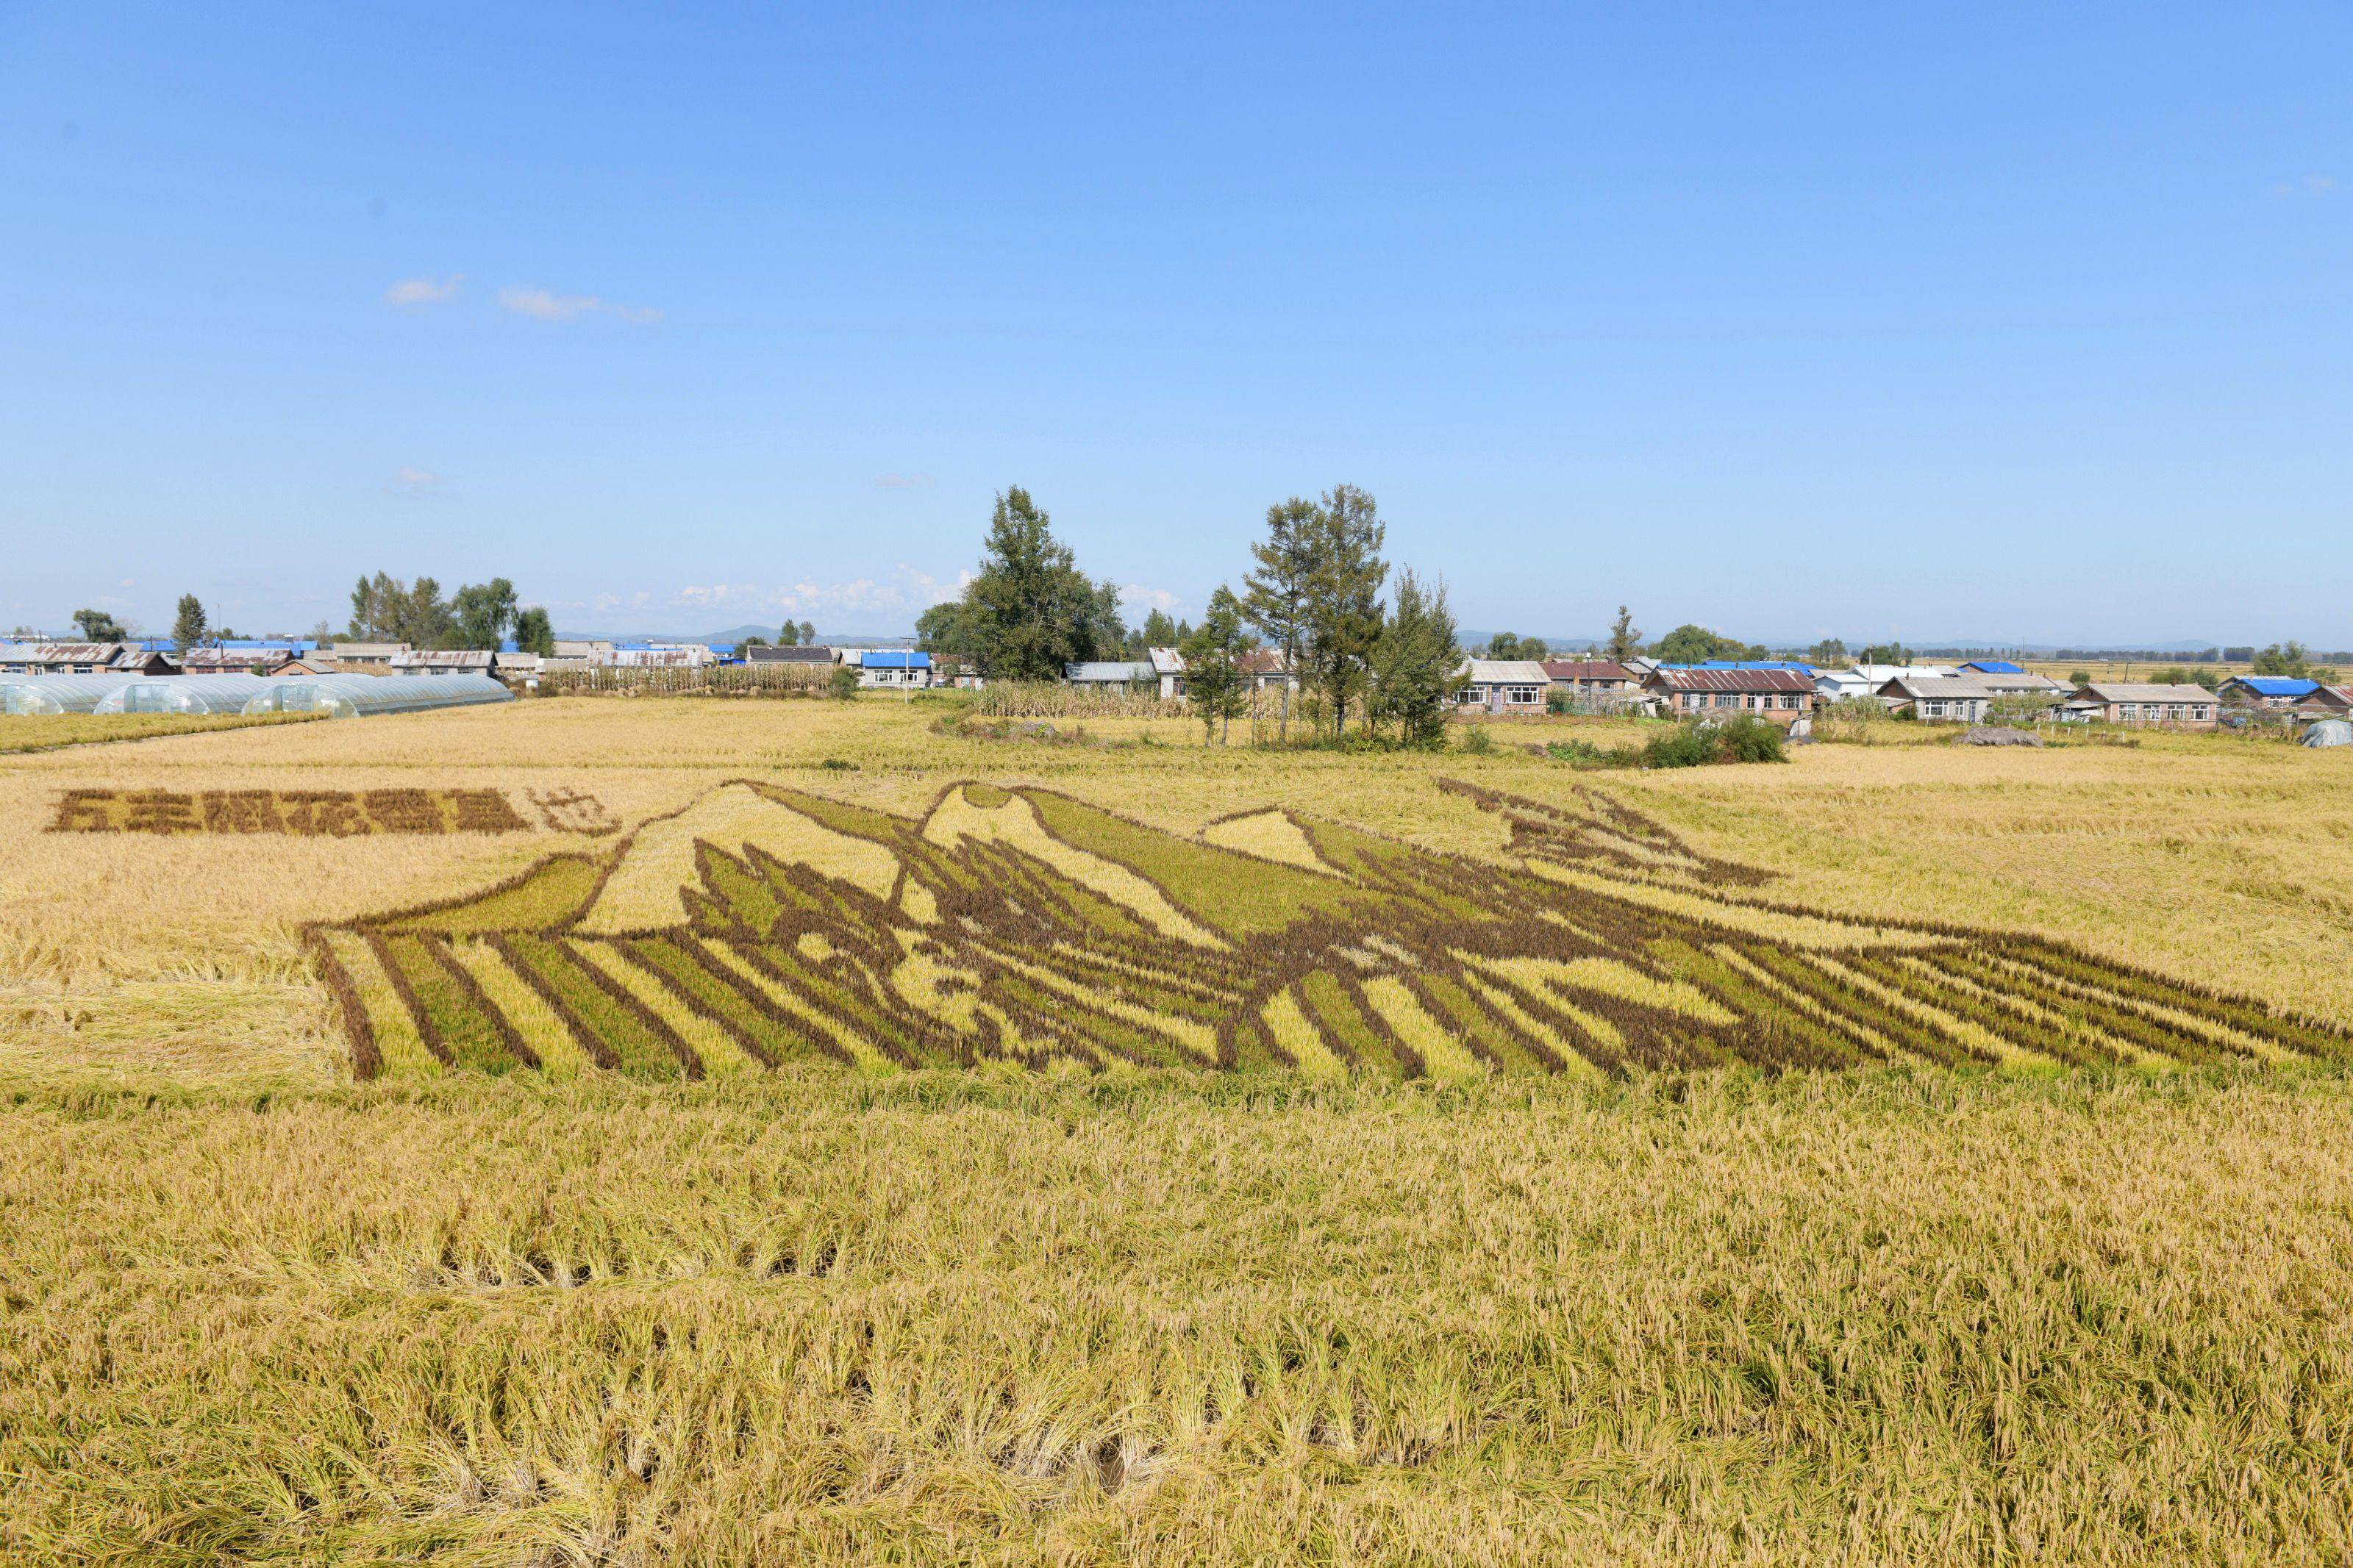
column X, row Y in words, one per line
column 1060, row 699
column 710, row 681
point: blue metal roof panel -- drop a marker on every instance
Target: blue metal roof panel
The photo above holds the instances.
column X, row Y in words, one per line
column 2279, row 685
column 896, row 658
column 1995, row 667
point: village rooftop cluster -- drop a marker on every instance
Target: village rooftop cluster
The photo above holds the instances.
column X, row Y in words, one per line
column 1787, row 692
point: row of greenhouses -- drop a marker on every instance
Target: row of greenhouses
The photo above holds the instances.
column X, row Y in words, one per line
column 340, row 696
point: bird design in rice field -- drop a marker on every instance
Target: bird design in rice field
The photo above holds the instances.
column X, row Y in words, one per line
column 764, row 924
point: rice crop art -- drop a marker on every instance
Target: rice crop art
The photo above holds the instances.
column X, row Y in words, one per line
column 762, row 925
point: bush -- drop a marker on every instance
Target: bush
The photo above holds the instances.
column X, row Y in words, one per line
column 1684, row 746
column 842, row 684
column 1476, row 742
column 1742, row 739
column 1748, row 739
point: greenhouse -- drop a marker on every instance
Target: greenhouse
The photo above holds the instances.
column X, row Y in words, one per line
column 57, row 693
column 357, row 696
column 183, row 694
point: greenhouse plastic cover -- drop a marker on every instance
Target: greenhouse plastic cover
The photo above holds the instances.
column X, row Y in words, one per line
column 57, row 693
column 356, row 696
column 2329, row 733
column 183, row 694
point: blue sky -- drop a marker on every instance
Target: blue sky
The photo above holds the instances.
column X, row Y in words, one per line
column 1988, row 321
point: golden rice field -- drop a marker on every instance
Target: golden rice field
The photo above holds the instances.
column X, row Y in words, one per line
column 610, row 1132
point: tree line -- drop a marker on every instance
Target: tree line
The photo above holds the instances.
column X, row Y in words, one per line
column 478, row 616
column 1318, row 592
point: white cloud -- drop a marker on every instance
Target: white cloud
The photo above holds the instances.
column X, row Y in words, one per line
column 904, row 482
column 2310, row 186
column 412, row 292
column 411, row 481
column 906, row 591
column 542, row 305
column 1135, row 597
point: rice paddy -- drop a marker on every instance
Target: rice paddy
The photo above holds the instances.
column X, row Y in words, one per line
column 765, row 924
column 813, row 1137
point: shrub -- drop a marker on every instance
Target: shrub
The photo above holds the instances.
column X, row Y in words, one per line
column 842, row 684
column 1741, row 739
column 1476, row 742
column 1684, row 746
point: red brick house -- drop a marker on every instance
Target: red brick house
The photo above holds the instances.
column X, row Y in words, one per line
column 1780, row 696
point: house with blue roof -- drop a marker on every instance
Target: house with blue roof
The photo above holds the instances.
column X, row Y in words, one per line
column 894, row 669
column 2281, row 692
column 1992, row 667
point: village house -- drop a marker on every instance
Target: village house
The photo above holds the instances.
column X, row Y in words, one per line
column 1961, row 699
column 1596, row 677
column 234, row 660
column 1267, row 670
column 1131, row 674
column 364, row 657
column 82, row 658
column 2131, row 702
column 2265, row 690
column 2326, row 701
column 898, row 668
column 1781, row 696
column 792, row 653
column 1865, row 679
column 444, row 661
column 1501, row 686
column 1168, row 665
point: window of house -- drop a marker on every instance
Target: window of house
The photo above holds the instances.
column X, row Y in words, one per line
column 1520, row 694
column 1468, row 696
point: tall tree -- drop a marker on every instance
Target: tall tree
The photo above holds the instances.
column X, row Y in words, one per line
column 1159, row 631
column 378, row 606
column 421, row 618
column 789, row 635
column 1508, row 644
column 482, row 612
column 97, row 625
column 1275, row 594
column 2292, row 659
column 1415, row 662
column 534, row 633
column 1215, row 683
column 1029, row 611
column 1343, row 596
column 188, row 627
column 1826, row 653
column 1625, row 637
column 1689, row 644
